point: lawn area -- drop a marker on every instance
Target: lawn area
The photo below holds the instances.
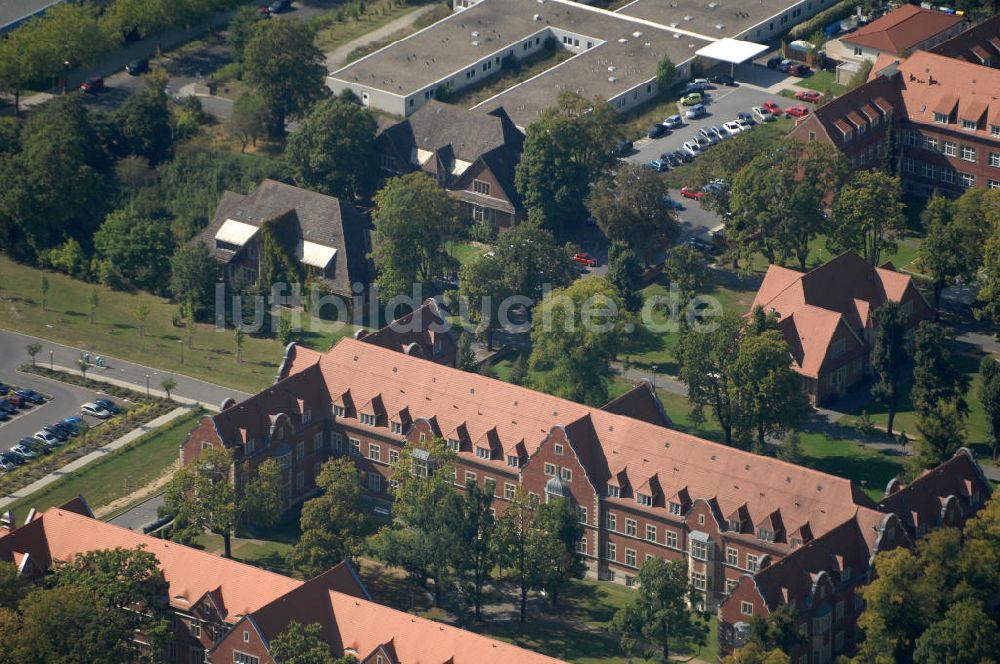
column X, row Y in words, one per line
column 825, row 82
column 440, row 11
column 117, row 474
column 334, row 33
column 464, row 252
column 903, row 258
column 115, row 331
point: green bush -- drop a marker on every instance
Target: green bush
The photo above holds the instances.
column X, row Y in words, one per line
column 840, row 10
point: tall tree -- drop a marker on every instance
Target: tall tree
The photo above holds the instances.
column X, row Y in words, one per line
column 633, row 207
column 666, row 72
column 779, row 629
column 283, row 64
column 335, row 523
column 707, row 360
column 625, row 274
column 556, row 534
column 476, row 557
column 936, row 378
column 686, row 269
column 989, row 397
column 193, row 274
column 414, row 220
column 428, row 512
column 946, row 254
column 966, row 634
column 134, row 251
column 989, row 282
column 334, row 150
column 13, row 586
column 868, row 215
column 250, row 118
column 301, row 644
column 942, row 432
column 485, row 283
column 577, row 333
column 888, row 358
column 144, row 123
column 658, row 613
column 260, row 505
column 240, row 29
column 514, row 550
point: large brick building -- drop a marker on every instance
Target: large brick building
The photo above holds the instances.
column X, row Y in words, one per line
column 227, row 612
column 826, row 316
column 640, row 488
column 936, row 116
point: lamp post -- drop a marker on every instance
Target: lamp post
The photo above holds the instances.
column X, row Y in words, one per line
column 147, row 385
column 654, row 368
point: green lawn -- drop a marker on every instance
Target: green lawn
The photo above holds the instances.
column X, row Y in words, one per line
column 333, row 33
column 117, row 474
column 823, row 81
column 115, row 331
column 464, row 252
column 903, row 258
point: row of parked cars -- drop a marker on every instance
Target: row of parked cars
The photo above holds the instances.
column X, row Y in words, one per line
column 14, row 400
column 56, row 434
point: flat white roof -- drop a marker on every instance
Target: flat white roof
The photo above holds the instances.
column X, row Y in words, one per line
column 235, row 232
column 315, row 255
column 731, row 50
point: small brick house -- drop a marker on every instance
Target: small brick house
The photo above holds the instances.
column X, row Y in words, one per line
column 826, row 316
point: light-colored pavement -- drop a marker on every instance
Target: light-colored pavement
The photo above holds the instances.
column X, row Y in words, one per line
column 121, row 372
column 140, row 516
column 56, row 475
column 338, row 57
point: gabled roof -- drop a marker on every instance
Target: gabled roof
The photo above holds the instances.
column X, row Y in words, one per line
column 811, row 306
column 973, row 45
column 60, row 534
column 839, row 117
column 641, row 403
column 902, row 29
column 423, row 326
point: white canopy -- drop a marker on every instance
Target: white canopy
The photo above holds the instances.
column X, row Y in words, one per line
column 315, row 255
column 735, row 51
column 235, row 232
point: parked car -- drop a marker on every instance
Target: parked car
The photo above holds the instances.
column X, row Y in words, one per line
column 684, row 156
column 746, row 117
column 10, row 456
column 657, row 130
column 732, row 128
column 703, row 143
column 799, row 70
column 718, row 131
column 797, row 111
column 673, row 122
column 695, row 111
column 4, row 389
column 4, row 416
column 24, row 452
column 55, row 431
column 585, row 259
column 279, row 6
column 75, row 424
column 745, row 125
column 7, row 464
column 708, row 135
column 692, row 146
column 723, row 79
column 659, row 165
column 8, row 407
column 672, row 204
column 64, row 428
column 774, row 61
column 623, row 148
column 137, row 67
column 714, row 186
column 16, row 401
column 39, row 446
column 772, row 107
column 93, row 410
column 30, row 396
column 93, row 86
column 671, row 159
column 108, row 405
column 808, row 95
column 761, row 114
column 691, row 99
column 784, row 65
column 688, row 192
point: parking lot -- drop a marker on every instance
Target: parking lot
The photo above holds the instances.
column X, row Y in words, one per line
column 65, row 401
column 722, row 104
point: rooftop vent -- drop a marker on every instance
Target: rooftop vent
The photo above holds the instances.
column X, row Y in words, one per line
column 719, row 26
column 637, row 34
column 622, row 41
column 475, row 42
column 688, row 18
column 536, row 17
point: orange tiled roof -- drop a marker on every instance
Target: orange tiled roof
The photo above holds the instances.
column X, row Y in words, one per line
column 902, row 29
column 608, row 443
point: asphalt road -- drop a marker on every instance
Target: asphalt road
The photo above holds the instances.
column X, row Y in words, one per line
column 140, row 516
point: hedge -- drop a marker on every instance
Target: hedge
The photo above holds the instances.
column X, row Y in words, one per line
column 807, row 29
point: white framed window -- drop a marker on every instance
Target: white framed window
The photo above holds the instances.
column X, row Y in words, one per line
column 509, row 490
column 732, row 556
column 393, row 455
column 566, row 474
column 454, row 444
column 611, row 551
column 968, row 153
column 558, row 449
column 994, row 159
column 581, row 546
column 355, row 447
column 950, row 149
column 550, row 470
column 731, row 585
column 968, row 180
column 513, row 461
column 940, row 118
column 746, row 608
column 930, row 143
column 612, row 521
column 994, row 130
column 630, row 527
column 753, row 562
column 397, row 427
column 671, row 539
column 644, row 500
column 244, row 658
column 994, row 184
column 630, row 557
column 195, row 629
column 970, row 125
column 675, row 509
column 613, row 491
column 650, row 532
column 699, row 580
column 338, row 411
column 374, row 452
column 699, row 550
column 483, row 452
column 470, row 476
column 581, row 513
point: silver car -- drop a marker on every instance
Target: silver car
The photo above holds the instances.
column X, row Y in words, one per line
column 692, row 148
column 23, row 451
column 673, row 122
column 708, row 135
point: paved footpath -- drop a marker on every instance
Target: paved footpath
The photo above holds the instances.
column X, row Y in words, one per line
column 61, row 473
column 338, row 57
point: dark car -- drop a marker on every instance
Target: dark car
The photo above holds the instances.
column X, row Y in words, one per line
column 656, row 131
column 683, row 156
column 670, row 159
column 64, row 429
column 623, row 148
column 723, row 79
column 39, row 447
column 4, row 416
column 137, row 67
column 16, row 401
column 61, row 435
column 93, row 86
column 279, row 6
column 30, row 395
column 108, row 405
column 746, row 117
column 7, row 407
column 774, row 61
column 799, row 70
column 10, row 461
column 4, row 389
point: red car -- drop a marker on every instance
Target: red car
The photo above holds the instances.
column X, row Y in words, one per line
column 772, row 108
column 688, row 192
column 796, row 111
column 808, row 95
column 94, row 85
column 585, row 259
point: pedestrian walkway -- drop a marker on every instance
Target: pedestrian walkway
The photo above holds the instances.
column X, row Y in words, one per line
column 338, row 57
column 77, row 464
column 94, row 374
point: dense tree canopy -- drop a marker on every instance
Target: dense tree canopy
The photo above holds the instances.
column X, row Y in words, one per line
column 134, row 252
column 144, row 123
column 868, row 215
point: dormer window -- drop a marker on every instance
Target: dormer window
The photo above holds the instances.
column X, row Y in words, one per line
column 795, row 542
column 455, row 445
column 735, row 525
column 643, row 499
column 397, row 427
column 368, row 419
column 557, row 449
column 940, row 118
column 338, row 411
column 765, row 535
column 481, row 187
column 513, row 461
column 675, row 509
column 483, row 452
column 614, row 492
column 970, row 125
